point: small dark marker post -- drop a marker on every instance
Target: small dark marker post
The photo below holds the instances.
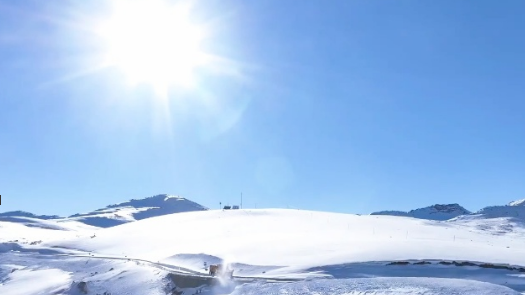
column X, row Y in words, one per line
column 0, row 199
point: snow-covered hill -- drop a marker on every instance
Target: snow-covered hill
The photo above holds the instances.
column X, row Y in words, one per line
column 515, row 210
column 263, row 245
column 27, row 231
column 136, row 210
column 27, row 228
column 289, row 237
column 434, row 212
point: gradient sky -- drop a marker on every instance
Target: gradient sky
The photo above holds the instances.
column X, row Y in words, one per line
column 346, row 106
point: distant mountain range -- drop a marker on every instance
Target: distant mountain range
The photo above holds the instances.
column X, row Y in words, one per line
column 119, row 213
column 434, row 212
column 158, row 205
column 27, row 214
column 515, row 209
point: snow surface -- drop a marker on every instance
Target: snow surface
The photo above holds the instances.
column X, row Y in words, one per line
column 28, row 230
column 263, row 246
column 29, row 281
column 514, row 211
column 376, row 286
column 282, row 237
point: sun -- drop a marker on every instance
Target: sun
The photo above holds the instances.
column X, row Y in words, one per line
column 153, row 42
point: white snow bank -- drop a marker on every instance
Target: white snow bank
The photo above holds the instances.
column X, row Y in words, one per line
column 35, row 282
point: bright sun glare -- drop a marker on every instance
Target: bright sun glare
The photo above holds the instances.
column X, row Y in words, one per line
column 153, row 42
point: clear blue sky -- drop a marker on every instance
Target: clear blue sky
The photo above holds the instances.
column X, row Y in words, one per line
column 347, row 106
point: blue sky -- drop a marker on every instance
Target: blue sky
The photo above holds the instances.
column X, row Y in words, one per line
column 347, row 106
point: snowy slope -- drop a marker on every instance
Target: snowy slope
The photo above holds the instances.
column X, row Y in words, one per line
column 298, row 238
column 36, row 231
column 53, row 224
column 40, row 275
column 63, row 276
column 35, row 282
column 136, row 210
column 434, row 212
column 269, row 244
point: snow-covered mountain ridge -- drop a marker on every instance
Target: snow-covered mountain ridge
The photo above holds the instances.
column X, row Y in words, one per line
column 27, row 214
column 515, row 209
column 111, row 215
column 137, row 209
column 434, row 212
column 134, row 210
column 517, row 203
